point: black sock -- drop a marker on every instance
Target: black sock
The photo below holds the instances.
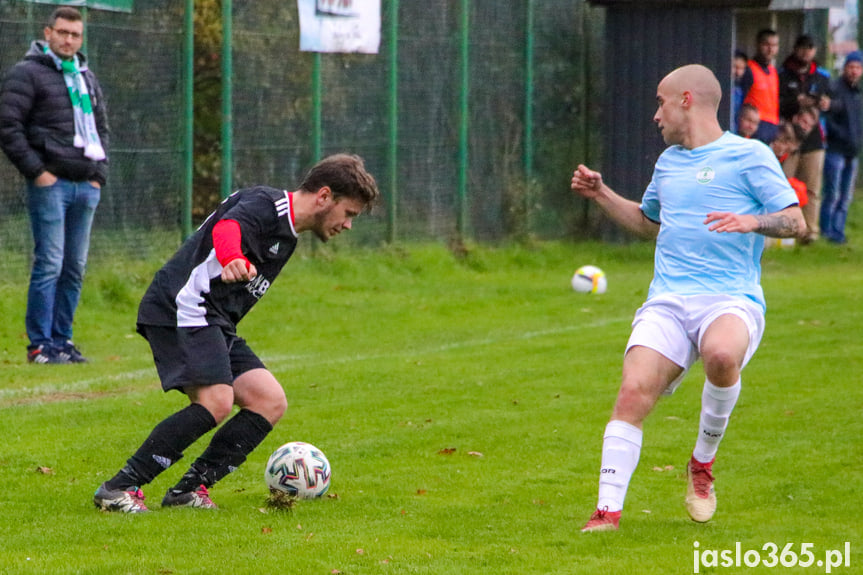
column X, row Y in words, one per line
column 228, row 450
column 164, row 446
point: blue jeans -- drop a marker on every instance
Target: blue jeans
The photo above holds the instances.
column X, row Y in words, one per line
column 61, row 216
column 837, row 191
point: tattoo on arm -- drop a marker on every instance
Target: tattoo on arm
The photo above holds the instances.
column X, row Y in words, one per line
column 777, row 226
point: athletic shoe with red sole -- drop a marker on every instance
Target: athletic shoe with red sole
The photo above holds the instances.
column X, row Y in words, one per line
column 700, row 494
column 602, row 520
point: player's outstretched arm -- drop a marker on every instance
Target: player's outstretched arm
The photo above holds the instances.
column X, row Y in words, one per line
column 627, row 213
column 787, row 223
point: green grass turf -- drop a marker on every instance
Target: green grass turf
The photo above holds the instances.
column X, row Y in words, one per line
column 461, row 402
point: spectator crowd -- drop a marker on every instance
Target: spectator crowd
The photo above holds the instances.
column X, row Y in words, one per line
column 814, row 125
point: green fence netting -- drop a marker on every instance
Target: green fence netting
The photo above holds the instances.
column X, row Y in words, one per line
column 138, row 57
column 274, row 99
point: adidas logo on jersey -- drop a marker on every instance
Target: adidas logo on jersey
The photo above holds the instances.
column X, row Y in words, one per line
column 274, row 249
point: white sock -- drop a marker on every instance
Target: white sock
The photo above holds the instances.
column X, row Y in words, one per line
column 716, row 406
column 621, row 448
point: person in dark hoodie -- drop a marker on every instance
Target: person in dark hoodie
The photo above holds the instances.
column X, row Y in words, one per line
column 844, row 136
column 802, row 86
column 54, row 129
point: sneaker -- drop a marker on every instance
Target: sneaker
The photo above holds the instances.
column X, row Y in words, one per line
column 44, row 354
column 70, row 353
column 199, row 498
column 700, row 495
column 602, row 520
column 126, row 501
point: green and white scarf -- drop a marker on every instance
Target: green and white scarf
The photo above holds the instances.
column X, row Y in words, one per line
column 86, row 134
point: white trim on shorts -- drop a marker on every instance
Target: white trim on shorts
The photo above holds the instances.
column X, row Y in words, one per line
column 673, row 325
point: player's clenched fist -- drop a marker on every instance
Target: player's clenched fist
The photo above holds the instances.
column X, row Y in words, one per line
column 586, row 182
column 238, row 270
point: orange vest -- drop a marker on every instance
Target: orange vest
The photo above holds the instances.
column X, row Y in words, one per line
column 800, row 190
column 764, row 93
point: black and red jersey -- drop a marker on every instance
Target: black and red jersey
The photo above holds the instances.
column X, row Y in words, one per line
column 188, row 290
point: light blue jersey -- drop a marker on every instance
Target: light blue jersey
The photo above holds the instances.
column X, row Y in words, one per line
column 731, row 174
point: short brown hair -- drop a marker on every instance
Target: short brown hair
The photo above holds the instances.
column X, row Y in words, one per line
column 346, row 176
column 787, row 133
column 64, row 13
column 810, row 111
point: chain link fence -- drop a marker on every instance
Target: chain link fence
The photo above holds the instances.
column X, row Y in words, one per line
column 138, row 58
column 274, row 99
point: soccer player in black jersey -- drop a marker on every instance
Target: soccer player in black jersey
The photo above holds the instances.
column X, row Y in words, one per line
column 190, row 313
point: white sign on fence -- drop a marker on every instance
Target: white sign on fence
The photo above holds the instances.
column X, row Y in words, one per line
column 340, row 25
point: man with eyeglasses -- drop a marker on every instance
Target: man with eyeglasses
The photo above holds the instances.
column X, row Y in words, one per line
column 54, row 129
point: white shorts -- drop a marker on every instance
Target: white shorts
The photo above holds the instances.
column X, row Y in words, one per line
column 674, row 325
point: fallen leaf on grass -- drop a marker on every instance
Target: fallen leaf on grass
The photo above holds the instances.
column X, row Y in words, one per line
column 447, row 451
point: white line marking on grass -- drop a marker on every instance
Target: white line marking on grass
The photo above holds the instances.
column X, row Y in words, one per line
column 307, row 360
column 318, row 359
column 79, row 386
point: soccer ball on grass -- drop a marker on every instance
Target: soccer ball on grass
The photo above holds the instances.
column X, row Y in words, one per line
column 589, row 279
column 298, row 469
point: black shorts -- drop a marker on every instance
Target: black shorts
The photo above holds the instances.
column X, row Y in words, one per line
column 208, row 355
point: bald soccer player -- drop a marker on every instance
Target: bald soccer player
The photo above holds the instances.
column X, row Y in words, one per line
column 712, row 199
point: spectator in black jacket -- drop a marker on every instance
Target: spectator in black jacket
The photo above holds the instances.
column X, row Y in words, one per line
column 804, row 86
column 844, row 136
column 54, row 129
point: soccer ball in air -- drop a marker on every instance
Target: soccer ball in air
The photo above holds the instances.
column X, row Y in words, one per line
column 298, row 469
column 589, row 279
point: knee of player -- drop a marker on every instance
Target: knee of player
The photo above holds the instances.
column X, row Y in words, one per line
column 217, row 399
column 272, row 405
column 721, row 363
column 279, row 407
column 220, row 410
column 634, row 402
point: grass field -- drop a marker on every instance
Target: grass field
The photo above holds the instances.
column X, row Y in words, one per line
column 461, row 403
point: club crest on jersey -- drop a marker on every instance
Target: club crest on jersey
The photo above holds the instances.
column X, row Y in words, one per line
column 258, row 286
column 705, row 175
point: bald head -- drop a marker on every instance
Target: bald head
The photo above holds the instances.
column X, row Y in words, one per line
column 698, row 81
column 688, row 101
